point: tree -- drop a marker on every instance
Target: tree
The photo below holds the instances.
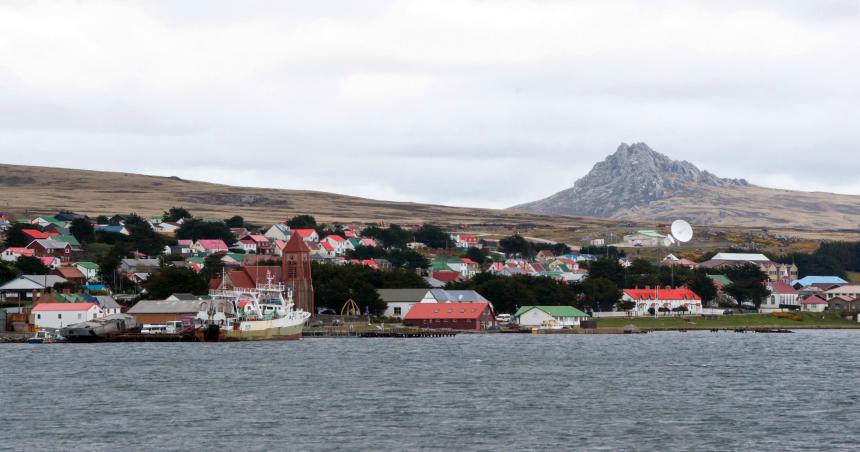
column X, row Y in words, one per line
column 702, row 286
column 362, row 252
column 607, row 269
column 334, row 284
column 516, row 244
column 640, row 273
column 7, row 272
column 109, row 263
column 212, row 267
column 508, row 293
column 235, row 222
column 174, row 280
column 407, row 259
column 196, row 229
column 102, row 219
column 29, row 265
column 558, row 249
column 433, row 236
column 748, row 284
column 15, row 236
column 601, row 293
column 476, row 255
column 392, row 237
column 143, row 237
column 175, row 214
column 302, row 222
column 83, row 230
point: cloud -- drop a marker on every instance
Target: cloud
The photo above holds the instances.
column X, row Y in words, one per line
column 458, row 102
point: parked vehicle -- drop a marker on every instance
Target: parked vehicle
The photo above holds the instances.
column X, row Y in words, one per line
column 153, row 329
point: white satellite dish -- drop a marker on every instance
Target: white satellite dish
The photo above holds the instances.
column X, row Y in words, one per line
column 682, row 231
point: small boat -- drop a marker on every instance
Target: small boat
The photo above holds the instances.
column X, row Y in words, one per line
column 44, row 337
column 98, row 330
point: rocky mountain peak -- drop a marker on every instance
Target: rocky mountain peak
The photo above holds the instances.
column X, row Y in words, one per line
column 634, row 176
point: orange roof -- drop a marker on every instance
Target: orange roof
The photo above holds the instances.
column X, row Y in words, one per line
column 304, row 232
column 662, row 294
column 63, row 306
column 446, row 311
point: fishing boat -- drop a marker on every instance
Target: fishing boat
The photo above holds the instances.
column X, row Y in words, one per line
column 262, row 313
column 45, row 337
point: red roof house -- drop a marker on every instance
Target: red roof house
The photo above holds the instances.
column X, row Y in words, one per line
column 458, row 316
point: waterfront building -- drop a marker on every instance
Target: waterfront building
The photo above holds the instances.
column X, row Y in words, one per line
column 550, row 316
column 774, row 271
column 848, row 292
column 458, row 316
column 813, row 304
column 782, row 296
column 163, row 311
column 663, row 301
column 59, row 315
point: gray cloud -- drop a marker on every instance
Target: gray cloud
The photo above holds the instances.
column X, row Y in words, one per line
column 462, row 102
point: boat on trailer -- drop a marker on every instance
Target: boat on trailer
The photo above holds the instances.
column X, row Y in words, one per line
column 262, row 313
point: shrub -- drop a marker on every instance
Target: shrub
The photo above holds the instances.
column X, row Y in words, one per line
column 786, row 315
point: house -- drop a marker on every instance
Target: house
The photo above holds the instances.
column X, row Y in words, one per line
column 645, row 238
column 12, row 254
column 459, row 316
column 160, row 312
column 399, row 301
column 545, row 256
column 254, row 243
column 367, row 241
column 447, row 276
column 70, row 239
column 165, row 227
column 808, row 281
column 774, row 271
column 850, row 292
column 59, row 315
column 107, row 304
column 465, row 241
column 813, row 304
column 71, row 274
column 337, row 244
column 50, row 247
column 46, row 220
column 720, row 281
column 416, row 246
column 782, row 296
column 279, row 231
column 28, row 287
column 550, row 316
column 308, row 235
column 663, row 300
column 51, row 262
column 128, row 266
column 210, row 246
column 673, row 260
column 35, row 234
column 112, row 228
column 89, row 269
column 843, row 303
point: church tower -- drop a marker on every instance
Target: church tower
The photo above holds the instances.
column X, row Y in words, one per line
column 296, row 272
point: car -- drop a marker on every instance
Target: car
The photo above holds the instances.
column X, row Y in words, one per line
column 728, row 312
column 318, row 324
column 337, row 322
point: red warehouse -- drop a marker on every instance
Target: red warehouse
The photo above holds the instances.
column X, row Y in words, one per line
column 458, row 316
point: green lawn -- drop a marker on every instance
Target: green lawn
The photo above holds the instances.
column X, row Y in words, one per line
column 810, row 320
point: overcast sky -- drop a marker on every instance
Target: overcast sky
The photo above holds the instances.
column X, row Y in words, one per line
column 474, row 103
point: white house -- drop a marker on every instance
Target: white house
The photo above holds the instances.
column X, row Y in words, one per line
column 850, row 292
column 89, row 269
column 338, row 244
column 278, row 231
column 813, row 304
column 400, row 301
column 59, row 315
column 550, row 316
column 663, row 301
column 12, row 254
column 782, row 296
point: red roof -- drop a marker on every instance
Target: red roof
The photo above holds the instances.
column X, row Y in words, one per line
column 296, row 244
column 468, row 239
column 815, row 299
column 304, row 233
column 447, row 276
column 48, row 261
column 336, row 238
column 212, row 244
column 468, row 261
column 21, row 251
column 63, row 307
column 422, row 311
column 782, row 288
column 37, row 234
column 327, row 246
column 248, row 277
column 662, row 294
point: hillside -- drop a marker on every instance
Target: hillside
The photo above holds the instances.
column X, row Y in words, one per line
column 640, row 184
column 30, row 190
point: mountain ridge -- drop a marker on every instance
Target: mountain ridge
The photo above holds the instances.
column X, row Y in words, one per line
column 639, row 183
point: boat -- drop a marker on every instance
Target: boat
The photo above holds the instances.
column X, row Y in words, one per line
column 262, row 313
column 45, row 337
column 98, row 330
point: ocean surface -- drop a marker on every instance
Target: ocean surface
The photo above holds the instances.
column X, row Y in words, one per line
column 661, row 391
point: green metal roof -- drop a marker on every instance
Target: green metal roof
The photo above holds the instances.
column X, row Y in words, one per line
column 555, row 311
column 70, row 239
column 722, row 279
column 197, row 260
column 52, row 220
column 651, row 233
column 88, row 265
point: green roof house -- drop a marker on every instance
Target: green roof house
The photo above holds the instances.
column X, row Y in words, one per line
column 553, row 317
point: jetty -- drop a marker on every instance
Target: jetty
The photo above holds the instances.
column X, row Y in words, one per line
column 389, row 333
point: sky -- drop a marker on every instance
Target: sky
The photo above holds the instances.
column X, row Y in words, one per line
column 470, row 103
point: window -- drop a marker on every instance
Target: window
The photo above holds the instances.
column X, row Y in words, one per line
column 59, row 316
column 38, row 316
column 79, row 316
column 397, row 311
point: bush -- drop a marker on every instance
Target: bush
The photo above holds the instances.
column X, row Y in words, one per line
column 786, row 315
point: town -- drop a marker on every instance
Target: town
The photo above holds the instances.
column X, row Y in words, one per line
column 68, row 268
